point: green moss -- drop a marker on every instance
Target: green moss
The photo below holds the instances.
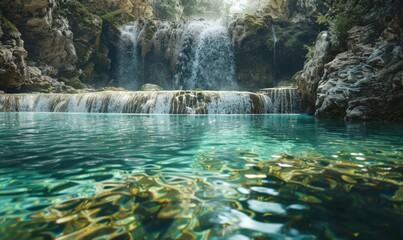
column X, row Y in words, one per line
column 255, row 24
column 150, row 30
column 310, row 49
column 8, row 27
column 65, row 73
column 36, row 87
column 340, row 19
column 73, row 82
column 115, row 89
column 118, row 18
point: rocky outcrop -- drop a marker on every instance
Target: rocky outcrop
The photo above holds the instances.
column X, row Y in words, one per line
column 308, row 79
column 366, row 81
column 269, row 51
column 13, row 69
column 47, row 35
column 75, row 42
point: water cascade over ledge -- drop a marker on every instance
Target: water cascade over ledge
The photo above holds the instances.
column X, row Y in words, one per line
column 283, row 100
column 176, row 55
column 158, row 102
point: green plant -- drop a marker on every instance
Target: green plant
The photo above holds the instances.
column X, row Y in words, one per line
column 310, row 49
column 345, row 16
column 322, row 19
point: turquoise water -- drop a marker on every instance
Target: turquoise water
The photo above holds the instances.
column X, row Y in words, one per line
column 106, row 176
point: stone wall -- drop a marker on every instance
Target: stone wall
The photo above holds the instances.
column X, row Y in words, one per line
column 365, row 81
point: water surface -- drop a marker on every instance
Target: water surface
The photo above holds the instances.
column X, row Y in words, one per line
column 106, row 176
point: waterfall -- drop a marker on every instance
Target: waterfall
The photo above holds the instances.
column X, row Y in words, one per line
column 206, row 60
column 158, row 102
column 283, row 100
column 129, row 73
column 177, row 55
column 273, row 30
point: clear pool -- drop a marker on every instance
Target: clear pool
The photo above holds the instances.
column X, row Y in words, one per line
column 106, row 176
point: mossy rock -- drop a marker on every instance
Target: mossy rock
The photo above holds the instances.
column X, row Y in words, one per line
column 255, row 24
column 83, row 21
column 151, row 87
column 113, row 89
column 36, row 87
column 118, row 18
column 150, row 30
column 88, row 71
column 8, row 27
column 87, row 29
column 66, row 73
column 73, row 82
column 102, row 62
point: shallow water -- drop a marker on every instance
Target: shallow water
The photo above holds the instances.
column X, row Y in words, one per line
column 106, row 176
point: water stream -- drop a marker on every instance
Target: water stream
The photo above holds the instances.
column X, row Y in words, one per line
column 159, row 102
column 199, row 54
column 273, row 30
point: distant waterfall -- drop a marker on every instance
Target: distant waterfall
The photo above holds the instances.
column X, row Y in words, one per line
column 273, row 72
column 160, row 102
column 195, row 54
column 206, row 60
column 129, row 71
column 283, row 100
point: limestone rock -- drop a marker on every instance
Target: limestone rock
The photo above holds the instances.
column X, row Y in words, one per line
column 46, row 33
column 277, row 8
column 308, row 79
column 87, row 29
column 142, row 9
column 111, row 5
column 151, row 87
column 305, row 10
column 365, row 82
column 38, row 82
column 12, row 57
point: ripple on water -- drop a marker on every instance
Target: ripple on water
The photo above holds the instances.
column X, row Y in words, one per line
column 209, row 177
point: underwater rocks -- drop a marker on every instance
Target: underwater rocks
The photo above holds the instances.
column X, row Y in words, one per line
column 365, row 81
column 287, row 197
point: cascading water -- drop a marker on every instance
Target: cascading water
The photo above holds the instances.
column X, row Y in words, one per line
column 206, row 60
column 195, row 54
column 283, row 100
column 128, row 71
column 273, row 30
column 158, row 102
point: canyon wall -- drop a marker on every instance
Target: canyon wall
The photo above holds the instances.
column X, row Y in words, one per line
column 362, row 79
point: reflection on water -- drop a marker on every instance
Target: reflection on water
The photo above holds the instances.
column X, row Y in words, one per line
column 83, row 176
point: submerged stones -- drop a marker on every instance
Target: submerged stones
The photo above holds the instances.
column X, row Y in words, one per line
column 291, row 197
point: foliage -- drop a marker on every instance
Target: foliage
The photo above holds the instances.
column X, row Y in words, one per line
column 340, row 19
column 348, row 16
column 310, row 50
column 322, row 19
column 255, row 24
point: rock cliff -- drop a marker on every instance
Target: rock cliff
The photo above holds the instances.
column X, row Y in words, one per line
column 72, row 44
column 364, row 81
column 13, row 69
